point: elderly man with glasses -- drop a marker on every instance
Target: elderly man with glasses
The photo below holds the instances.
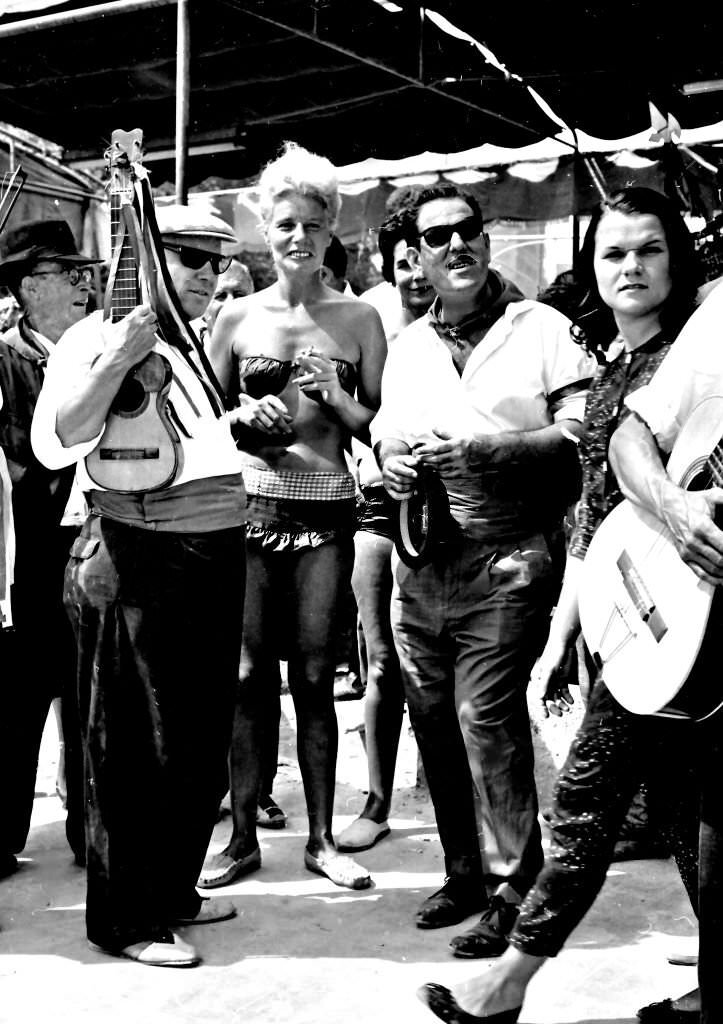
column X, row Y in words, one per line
column 154, row 588
column 485, row 390
column 51, row 281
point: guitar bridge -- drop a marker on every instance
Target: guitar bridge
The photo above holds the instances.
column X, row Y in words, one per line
column 121, row 454
column 641, row 598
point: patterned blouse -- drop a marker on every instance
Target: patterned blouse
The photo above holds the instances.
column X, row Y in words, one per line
column 604, row 410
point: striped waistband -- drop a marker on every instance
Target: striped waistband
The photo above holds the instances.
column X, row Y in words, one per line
column 269, row 483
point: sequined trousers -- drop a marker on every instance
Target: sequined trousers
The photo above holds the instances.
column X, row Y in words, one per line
column 612, row 753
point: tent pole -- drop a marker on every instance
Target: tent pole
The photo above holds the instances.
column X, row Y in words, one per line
column 183, row 66
column 47, row 21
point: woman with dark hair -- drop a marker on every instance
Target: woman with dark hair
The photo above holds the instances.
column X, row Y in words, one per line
column 638, row 274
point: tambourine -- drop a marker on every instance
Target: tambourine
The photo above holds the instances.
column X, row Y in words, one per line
column 423, row 519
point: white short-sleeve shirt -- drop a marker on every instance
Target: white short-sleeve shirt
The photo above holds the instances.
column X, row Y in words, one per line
column 525, row 374
column 691, row 371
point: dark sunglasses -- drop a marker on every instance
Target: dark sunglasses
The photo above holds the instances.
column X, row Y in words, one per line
column 194, row 259
column 440, row 235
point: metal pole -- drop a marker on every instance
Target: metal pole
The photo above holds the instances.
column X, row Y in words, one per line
column 20, row 28
column 183, row 67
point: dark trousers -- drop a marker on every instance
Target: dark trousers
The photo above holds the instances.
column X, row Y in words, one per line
column 613, row 752
column 157, row 617
column 37, row 664
column 467, row 628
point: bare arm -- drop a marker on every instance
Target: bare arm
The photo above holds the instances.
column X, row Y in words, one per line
column 688, row 515
column 552, row 692
column 319, row 374
column 82, row 415
column 220, row 348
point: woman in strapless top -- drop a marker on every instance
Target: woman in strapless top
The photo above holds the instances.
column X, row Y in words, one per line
column 305, row 364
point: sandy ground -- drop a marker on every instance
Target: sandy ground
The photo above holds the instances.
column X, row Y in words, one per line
column 302, row 951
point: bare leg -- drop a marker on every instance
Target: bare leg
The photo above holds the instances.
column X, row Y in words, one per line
column 61, row 788
column 255, row 701
column 319, row 580
column 384, row 700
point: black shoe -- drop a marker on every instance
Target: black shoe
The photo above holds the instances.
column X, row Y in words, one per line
column 640, row 849
column 665, row 1013
column 8, row 864
column 443, row 1005
column 456, row 900
column 489, row 935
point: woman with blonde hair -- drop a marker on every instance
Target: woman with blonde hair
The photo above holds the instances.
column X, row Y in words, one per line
column 305, row 363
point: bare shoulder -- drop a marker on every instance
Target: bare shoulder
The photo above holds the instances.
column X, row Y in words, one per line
column 232, row 318
column 357, row 313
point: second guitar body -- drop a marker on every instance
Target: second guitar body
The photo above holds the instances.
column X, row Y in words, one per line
column 644, row 613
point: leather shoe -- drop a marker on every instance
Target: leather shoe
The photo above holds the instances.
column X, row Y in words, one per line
column 169, row 951
column 665, row 1013
column 8, row 864
column 456, row 900
column 210, row 912
column 223, row 869
column 489, row 936
column 443, row 1005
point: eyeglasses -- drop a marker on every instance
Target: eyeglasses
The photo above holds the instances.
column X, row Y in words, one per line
column 75, row 274
column 440, row 235
column 194, row 259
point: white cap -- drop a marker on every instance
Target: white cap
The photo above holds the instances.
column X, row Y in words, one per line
column 196, row 228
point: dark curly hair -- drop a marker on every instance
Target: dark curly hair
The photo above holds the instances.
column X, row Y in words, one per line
column 401, row 221
column 399, row 225
column 593, row 321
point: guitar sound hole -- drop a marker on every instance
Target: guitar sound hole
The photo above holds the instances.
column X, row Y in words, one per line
column 131, row 399
column 701, row 482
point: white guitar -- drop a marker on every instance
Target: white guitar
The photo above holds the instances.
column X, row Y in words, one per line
column 644, row 613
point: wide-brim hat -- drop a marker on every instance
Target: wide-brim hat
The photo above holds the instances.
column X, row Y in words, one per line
column 197, row 228
column 37, row 240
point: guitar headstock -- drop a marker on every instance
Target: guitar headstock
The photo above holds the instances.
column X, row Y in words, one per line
column 125, row 150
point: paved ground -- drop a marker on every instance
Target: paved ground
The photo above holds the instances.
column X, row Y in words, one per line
column 302, row 951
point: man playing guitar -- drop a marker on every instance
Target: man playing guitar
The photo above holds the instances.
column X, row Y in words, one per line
column 154, row 589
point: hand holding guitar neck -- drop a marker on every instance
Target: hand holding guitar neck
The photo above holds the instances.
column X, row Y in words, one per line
column 130, row 340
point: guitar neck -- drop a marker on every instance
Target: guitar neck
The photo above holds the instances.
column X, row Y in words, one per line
column 124, row 293
column 123, row 154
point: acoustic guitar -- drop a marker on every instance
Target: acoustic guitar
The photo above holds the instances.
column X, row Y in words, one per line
column 644, row 613
column 140, row 448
